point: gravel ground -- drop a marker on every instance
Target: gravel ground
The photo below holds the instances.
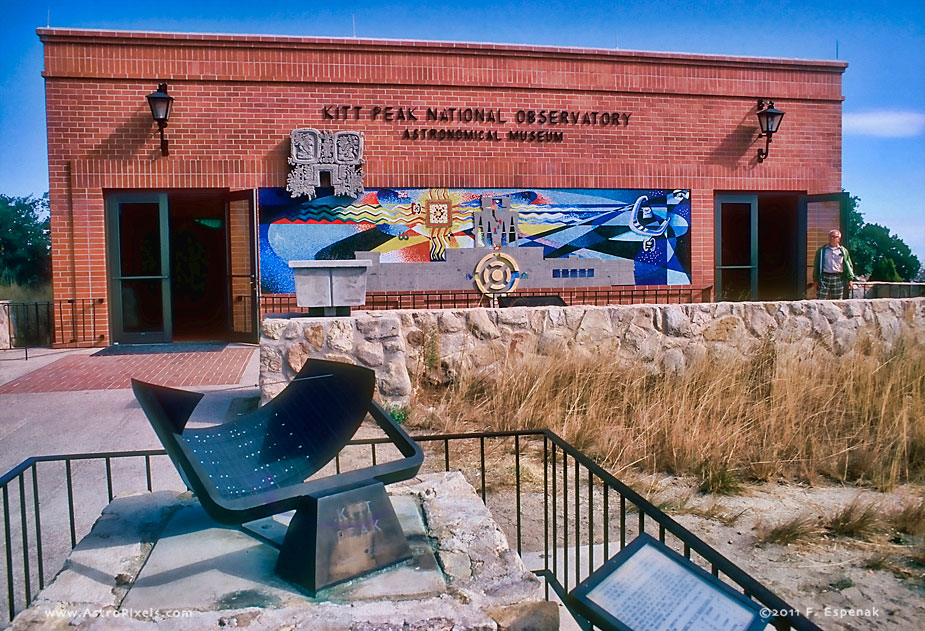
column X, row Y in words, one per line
column 838, row 582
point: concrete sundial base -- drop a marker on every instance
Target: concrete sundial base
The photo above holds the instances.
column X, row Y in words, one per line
column 157, row 560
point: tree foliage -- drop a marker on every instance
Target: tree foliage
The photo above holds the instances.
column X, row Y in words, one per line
column 25, row 241
column 869, row 243
column 884, row 269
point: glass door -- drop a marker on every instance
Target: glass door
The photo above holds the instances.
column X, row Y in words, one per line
column 736, row 252
column 829, row 210
column 139, row 268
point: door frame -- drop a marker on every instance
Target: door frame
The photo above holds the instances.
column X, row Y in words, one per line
column 114, row 271
column 803, row 215
column 252, row 335
column 741, row 198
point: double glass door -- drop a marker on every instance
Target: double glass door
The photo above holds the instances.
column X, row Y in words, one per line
column 762, row 239
column 182, row 266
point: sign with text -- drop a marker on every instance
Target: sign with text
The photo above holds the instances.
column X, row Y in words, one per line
column 424, row 123
column 648, row 586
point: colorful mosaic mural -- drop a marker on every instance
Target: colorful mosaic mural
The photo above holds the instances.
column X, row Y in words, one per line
column 651, row 228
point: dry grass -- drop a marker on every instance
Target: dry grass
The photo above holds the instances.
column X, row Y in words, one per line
column 906, row 566
column 917, row 555
column 719, row 480
column 714, row 512
column 858, row 519
column 795, row 530
column 910, row 519
column 880, row 561
column 775, row 415
column 15, row 292
column 841, row 583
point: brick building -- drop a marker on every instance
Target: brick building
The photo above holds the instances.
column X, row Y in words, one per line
column 597, row 169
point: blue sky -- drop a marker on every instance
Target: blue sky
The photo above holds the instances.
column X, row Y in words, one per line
column 884, row 43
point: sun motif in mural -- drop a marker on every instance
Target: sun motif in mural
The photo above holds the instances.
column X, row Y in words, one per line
column 433, row 217
column 438, row 213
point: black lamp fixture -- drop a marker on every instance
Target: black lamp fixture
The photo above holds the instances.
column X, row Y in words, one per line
column 160, row 103
column 769, row 120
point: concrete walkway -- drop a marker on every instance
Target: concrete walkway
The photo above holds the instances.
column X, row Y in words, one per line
column 96, row 413
column 67, row 401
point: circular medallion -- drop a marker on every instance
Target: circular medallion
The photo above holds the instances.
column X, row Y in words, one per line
column 497, row 274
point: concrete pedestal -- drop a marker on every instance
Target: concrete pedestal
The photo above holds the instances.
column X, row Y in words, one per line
column 330, row 284
column 157, row 560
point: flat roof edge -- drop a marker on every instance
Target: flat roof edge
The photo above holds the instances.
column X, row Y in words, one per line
column 50, row 34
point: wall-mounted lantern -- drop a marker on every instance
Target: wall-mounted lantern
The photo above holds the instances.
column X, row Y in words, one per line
column 769, row 120
column 160, row 103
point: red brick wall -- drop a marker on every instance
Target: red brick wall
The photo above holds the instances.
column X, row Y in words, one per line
column 692, row 122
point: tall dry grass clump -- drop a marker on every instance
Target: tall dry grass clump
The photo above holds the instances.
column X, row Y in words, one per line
column 776, row 414
column 14, row 292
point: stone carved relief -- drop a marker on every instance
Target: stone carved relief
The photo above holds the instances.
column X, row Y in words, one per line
column 349, row 147
column 313, row 152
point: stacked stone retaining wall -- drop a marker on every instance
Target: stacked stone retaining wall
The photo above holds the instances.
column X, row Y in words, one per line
column 402, row 346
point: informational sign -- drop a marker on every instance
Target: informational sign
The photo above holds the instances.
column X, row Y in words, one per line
column 650, row 587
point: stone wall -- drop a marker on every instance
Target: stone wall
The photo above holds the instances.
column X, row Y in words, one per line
column 402, row 345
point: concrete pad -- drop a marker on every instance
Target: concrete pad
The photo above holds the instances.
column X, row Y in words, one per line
column 199, row 564
column 47, row 424
column 50, row 423
column 105, row 562
column 41, row 424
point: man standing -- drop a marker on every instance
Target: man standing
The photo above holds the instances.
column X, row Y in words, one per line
column 832, row 269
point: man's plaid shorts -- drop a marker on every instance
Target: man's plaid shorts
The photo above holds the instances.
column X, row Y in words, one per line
column 831, row 287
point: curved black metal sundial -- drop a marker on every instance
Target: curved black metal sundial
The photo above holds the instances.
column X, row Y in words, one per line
column 259, row 465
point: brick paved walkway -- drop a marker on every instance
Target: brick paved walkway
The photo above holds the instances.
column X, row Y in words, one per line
column 83, row 372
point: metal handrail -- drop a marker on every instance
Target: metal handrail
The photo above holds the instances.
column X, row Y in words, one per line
column 79, row 321
column 432, row 299
column 718, row 562
column 68, row 321
column 557, row 472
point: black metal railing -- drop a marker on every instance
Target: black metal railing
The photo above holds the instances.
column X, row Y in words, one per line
column 78, row 321
column 587, row 514
column 29, row 323
column 876, row 289
column 43, row 323
column 599, row 296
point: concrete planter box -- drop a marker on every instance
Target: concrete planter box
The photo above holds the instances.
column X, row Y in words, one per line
column 330, row 283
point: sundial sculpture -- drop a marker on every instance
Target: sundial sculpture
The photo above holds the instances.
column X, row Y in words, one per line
column 258, row 465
